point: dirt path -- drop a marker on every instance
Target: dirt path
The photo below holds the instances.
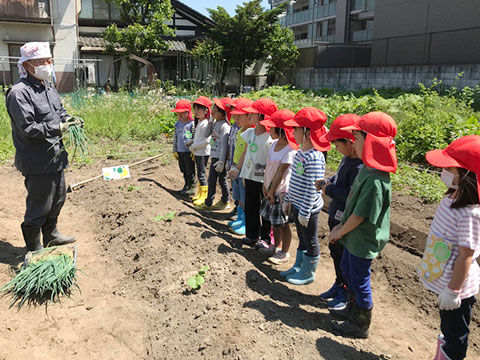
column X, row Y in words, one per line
column 135, row 304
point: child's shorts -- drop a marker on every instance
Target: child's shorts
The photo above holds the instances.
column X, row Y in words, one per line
column 273, row 212
column 238, row 190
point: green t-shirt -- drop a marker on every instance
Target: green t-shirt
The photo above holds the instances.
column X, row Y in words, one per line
column 370, row 198
column 239, row 146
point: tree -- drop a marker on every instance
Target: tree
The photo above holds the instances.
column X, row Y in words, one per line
column 144, row 33
column 282, row 53
column 244, row 38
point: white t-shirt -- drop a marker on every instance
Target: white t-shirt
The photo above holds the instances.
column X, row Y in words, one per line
column 451, row 229
column 275, row 158
column 256, row 156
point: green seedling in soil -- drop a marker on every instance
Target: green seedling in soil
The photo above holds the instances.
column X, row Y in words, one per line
column 167, row 217
column 130, row 188
column 197, row 280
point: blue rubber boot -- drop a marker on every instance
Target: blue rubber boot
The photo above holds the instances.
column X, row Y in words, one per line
column 306, row 275
column 331, row 293
column 238, row 219
column 240, row 228
column 295, row 267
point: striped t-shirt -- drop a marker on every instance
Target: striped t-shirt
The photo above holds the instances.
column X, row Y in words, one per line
column 451, row 229
column 308, row 166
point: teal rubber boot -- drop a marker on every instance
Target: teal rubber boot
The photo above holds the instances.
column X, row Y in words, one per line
column 306, row 275
column 238, row 221
column 296, row 267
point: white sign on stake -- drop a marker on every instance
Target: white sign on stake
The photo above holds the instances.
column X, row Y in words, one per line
column 116, row 172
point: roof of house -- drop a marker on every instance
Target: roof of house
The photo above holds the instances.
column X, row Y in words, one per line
column 97, row 43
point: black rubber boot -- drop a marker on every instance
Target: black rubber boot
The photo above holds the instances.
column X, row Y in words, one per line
column 31, row 235
column 357, row 326
column 184, row 190
column 51, row 236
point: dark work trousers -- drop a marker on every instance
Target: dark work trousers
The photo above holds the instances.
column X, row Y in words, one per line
column 307, row 236
column 201, row 163
column 213, row 175
column 254, row 228
column 187, row 167
column 455, row 329
column 356, row 271
column 46, row 195
column 336, row 252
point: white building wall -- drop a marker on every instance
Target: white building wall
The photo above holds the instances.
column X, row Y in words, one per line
column 64, row 13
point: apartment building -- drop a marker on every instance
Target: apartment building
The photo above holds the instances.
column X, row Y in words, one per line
column 74, row 28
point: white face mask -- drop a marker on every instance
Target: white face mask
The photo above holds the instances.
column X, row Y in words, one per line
column 447, row 178
column 43, row 72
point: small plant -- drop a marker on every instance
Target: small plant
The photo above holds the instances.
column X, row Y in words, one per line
column 167, row 217
column 197, row 280
column 130, row 188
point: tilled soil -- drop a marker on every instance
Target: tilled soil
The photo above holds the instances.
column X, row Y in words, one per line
column 135, row 303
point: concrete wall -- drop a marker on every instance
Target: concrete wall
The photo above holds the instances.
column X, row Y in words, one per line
column 426, row 32
column 382, row 77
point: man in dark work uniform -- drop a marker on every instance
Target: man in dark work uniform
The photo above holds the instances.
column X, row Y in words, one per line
column 38, row 120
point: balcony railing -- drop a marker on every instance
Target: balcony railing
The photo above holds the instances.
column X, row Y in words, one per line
column 326, row 38
column 310, row 15
column 25, row 10
column 303, row 43
column 362, row 35
column 363, row 5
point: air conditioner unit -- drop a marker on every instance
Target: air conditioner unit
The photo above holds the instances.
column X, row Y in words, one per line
column 42, row 12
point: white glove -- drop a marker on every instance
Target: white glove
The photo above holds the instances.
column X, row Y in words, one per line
column 449, row 299
column 286, row 206
column 219, row 166
column 233, row 173
column 303, row 220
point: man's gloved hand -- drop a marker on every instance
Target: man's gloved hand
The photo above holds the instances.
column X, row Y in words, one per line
column 449, row 299
column 286, row 207
column 303, row 220
column 175, row 155
column 219, row 166
column 64, row 127
column 70, row 122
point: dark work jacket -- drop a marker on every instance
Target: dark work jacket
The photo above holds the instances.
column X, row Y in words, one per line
column 340, row 186
column 36, row 112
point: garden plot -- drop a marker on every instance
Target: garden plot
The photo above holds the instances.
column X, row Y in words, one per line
column 136, row 304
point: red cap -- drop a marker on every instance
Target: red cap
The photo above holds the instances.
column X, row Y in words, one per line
column 463, row 152
column 379, row 148
column 182, row 106
column 240, row 105
column 262, row 106
column 224, row 104
column 340, row 122
column 314, row 119
column 278, row 119
column 204, row 101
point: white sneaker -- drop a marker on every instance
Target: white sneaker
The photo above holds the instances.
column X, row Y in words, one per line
column 279, row 258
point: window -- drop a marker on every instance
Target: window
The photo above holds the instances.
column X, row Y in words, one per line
column 100, row 10
column 87, row 10
column 14, row 50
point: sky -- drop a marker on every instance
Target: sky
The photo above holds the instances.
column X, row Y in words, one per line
column 230, row 5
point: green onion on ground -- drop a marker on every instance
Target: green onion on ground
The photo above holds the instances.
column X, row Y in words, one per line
column 46, row 278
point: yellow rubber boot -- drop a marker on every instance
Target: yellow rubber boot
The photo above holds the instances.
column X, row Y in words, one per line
column 203, row 195
column 197, row 193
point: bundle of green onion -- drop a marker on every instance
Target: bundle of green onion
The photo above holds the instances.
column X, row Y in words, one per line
column 77, row 139
column 42, row 280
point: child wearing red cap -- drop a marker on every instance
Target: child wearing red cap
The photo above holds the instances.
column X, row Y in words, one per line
column 338, row 188
column 238, row 187
column 200, row 147
column 303, row 200
column 252, row 166
column 449, row 267
column 232, row 140
column 275, row 184
column 365, row 226
column 182, row 136
column 218, row 153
